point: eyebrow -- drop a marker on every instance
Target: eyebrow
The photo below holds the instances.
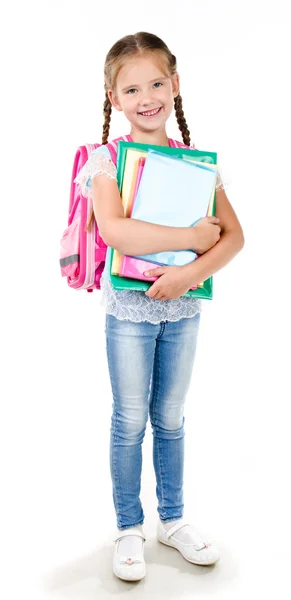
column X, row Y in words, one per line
column 134, row 85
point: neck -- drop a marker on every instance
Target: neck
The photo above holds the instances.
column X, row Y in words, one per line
column 158, row 138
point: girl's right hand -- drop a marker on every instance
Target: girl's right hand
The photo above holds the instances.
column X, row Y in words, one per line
column 206, row 233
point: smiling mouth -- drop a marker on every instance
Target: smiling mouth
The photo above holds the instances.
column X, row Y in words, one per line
column 151, row 113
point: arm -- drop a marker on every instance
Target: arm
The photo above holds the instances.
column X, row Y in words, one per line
column 173, row 282
column 230, row 244
column 133, row 237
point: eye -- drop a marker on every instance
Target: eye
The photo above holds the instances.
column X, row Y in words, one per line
column 131, row 90
column 158, row 83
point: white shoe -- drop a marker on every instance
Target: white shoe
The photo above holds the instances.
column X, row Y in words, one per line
column 197, row 550
column 130, row 567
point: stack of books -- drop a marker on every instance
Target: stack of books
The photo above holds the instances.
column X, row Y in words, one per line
column 166, row 186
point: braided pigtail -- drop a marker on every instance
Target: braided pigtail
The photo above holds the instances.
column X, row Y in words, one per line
column 106, row 126
column 181, row 120
column 107, row 109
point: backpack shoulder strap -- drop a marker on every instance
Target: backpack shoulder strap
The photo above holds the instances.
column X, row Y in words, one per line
column 113, row 145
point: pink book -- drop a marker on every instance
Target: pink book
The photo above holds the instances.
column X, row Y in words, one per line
column 134, row 267
column 141, row 164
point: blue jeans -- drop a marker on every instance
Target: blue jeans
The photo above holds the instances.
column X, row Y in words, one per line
column 150, row 369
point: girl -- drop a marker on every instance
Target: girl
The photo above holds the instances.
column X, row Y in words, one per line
column 151, row 337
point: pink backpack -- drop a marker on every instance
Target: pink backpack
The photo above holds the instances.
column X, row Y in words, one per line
column 83, row 253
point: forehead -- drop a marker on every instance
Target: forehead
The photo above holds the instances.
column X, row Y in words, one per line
column 140, row 70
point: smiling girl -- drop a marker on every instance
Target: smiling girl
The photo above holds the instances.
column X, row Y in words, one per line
column 151, row 337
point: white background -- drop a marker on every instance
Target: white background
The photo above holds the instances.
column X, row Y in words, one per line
column 56, row 505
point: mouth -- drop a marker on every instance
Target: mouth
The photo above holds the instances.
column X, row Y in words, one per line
column 149, row 114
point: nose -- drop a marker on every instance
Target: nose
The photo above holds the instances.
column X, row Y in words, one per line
column 146, row 98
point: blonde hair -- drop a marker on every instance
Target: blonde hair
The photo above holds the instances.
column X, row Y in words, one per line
column 127, row 47
column 137, row 45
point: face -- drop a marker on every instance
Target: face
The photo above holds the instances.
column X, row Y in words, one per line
column 145, row 93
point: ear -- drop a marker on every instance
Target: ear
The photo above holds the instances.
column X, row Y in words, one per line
column 176, row 84
column 114, row 100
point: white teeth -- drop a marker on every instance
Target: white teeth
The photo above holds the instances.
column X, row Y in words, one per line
column 151, row 112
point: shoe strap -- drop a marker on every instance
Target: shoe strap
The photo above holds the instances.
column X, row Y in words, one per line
column 178, row 526
column 175, row 528
column 129, row 531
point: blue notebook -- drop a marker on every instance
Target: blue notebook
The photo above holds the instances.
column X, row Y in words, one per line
column 173, row 192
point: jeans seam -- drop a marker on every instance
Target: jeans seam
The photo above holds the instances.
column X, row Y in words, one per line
column 161, row 331
column 154, row 413
column 113, row 435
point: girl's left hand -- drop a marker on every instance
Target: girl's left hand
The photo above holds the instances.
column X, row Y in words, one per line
column 173, row 282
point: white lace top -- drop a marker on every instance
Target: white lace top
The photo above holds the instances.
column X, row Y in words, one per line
column 129, row 304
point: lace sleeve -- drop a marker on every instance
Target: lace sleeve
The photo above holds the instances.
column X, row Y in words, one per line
column 97, row 164
column 222, row 183
column 219, row 182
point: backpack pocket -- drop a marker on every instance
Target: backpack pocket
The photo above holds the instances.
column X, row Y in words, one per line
column 70, row 250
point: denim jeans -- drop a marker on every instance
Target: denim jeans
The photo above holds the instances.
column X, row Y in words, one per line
column 150, row 369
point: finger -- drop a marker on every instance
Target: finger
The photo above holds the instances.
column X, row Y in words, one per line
column 157, row 296
column 213, row 219
column 155, row 272
column 152, row 291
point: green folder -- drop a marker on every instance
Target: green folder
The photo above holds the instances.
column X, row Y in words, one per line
column 121, row 283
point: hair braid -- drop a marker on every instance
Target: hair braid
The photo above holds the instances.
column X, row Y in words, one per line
column 181, row 120
column 107, row 109
column 106, row 126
